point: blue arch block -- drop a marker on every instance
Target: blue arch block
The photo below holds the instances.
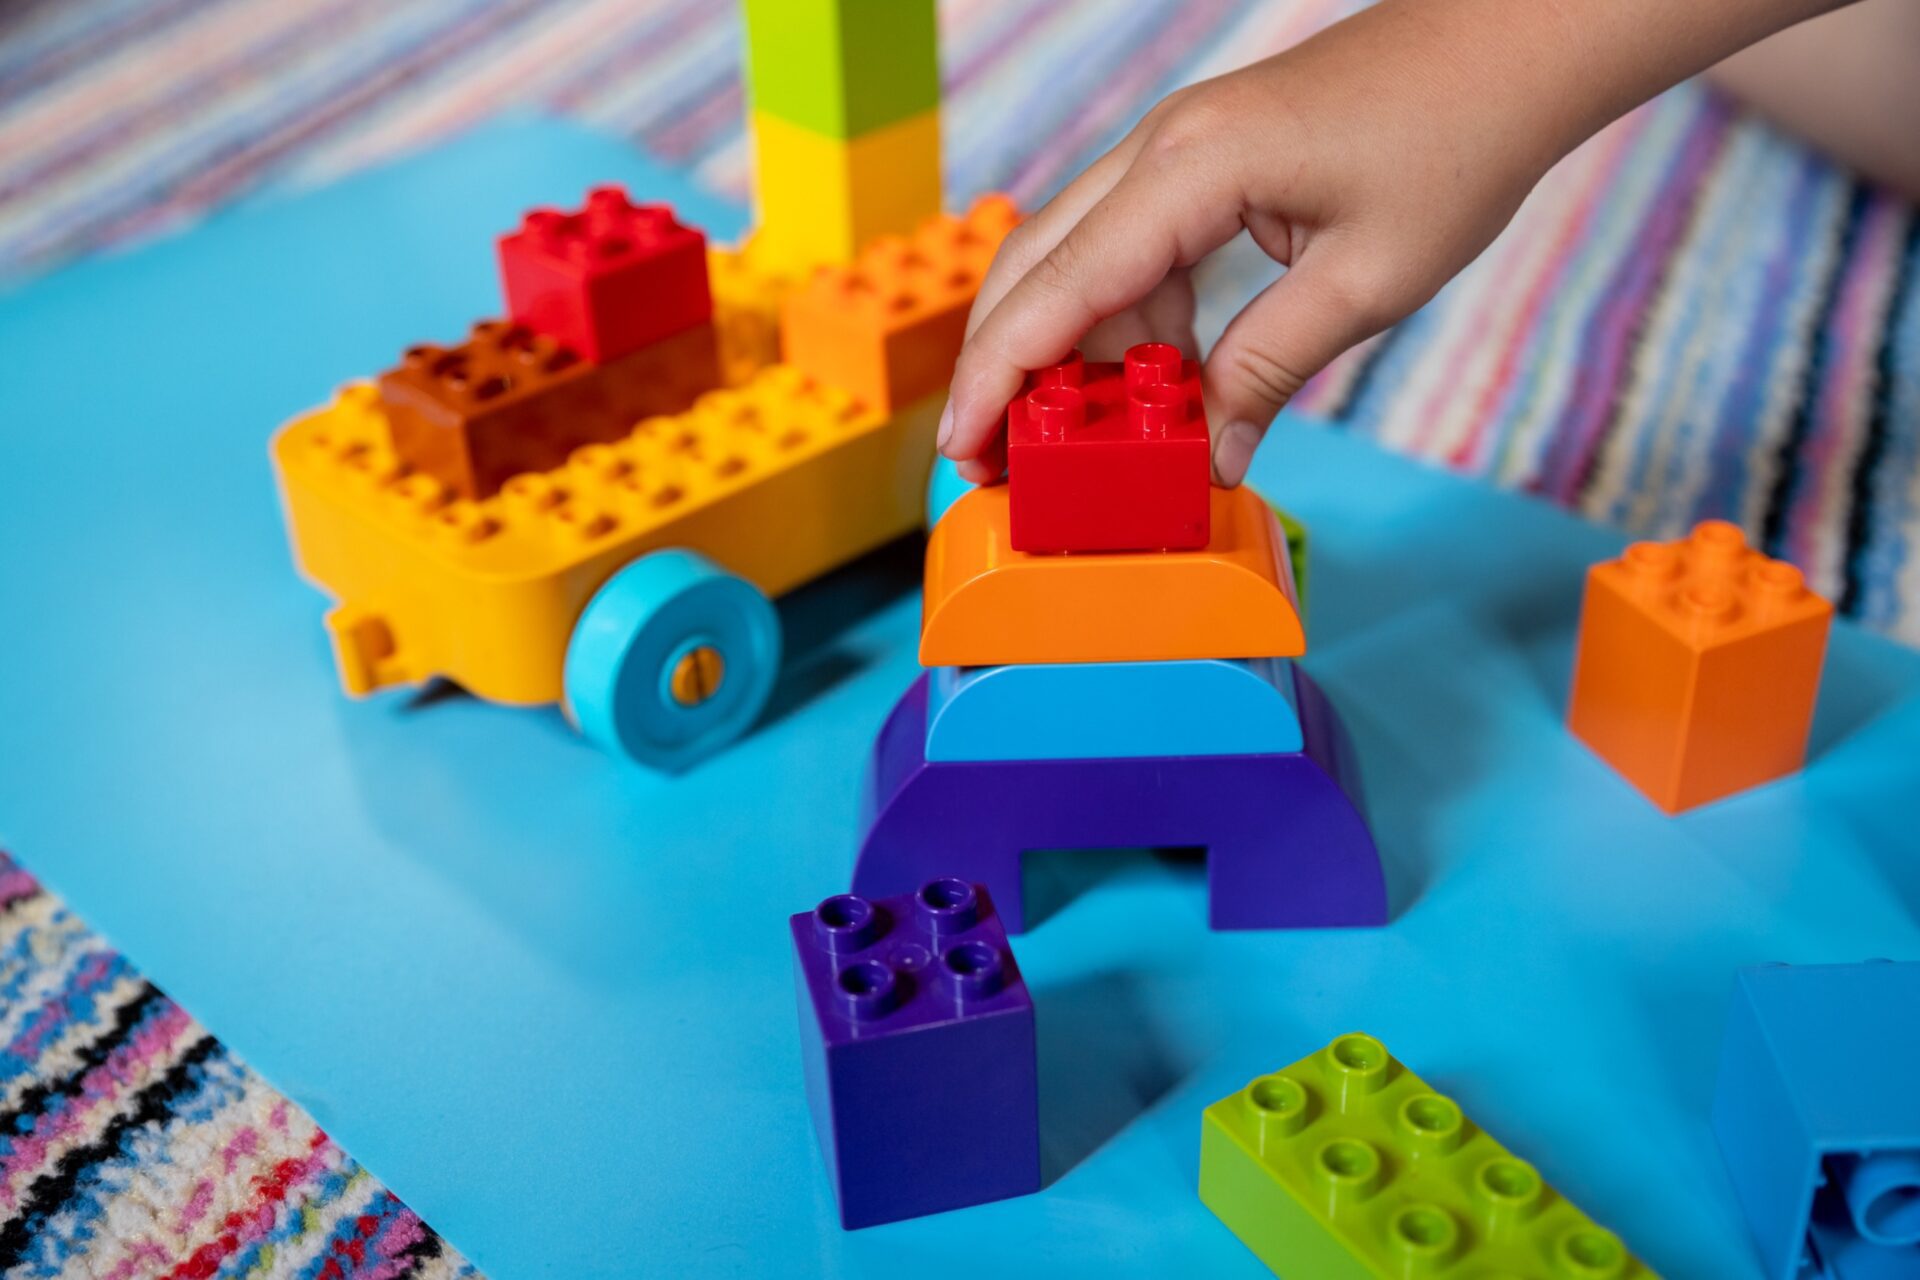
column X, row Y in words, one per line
column 1112, row 710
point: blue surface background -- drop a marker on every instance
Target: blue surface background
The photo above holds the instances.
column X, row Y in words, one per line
column 547, row 998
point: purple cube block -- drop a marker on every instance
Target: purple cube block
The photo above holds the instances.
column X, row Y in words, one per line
column 917, row 1038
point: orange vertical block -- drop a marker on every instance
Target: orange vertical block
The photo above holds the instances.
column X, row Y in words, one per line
column 888, row 328
column 1698, row 665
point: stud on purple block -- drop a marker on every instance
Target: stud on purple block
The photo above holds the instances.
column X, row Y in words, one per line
column 917, row 1037
column 1287, row 847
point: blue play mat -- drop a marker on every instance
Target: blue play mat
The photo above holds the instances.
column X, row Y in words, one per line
column 546, row 997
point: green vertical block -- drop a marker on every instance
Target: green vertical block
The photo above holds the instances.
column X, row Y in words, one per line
column 1346, row 1166
column 1296, row 554
column 842, row 68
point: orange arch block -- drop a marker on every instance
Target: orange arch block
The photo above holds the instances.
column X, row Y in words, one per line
column 987, row 603
column 1698, row 666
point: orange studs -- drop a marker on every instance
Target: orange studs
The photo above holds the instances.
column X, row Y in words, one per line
column 887, row 328
column 1647, row 566
column 1716, row 544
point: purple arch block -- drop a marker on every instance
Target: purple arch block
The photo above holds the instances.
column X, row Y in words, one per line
column 1286, row 845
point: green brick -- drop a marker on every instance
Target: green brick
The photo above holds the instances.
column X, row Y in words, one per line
column 1296, row 554
column 1345, row 1166
column 842, row 68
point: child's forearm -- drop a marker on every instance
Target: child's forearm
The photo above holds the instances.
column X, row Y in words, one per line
column 1575, row 65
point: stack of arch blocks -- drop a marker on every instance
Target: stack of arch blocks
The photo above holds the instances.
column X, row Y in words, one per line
column 1109, row 643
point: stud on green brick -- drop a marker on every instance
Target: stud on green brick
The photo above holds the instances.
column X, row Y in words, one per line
column 842, row 68
column 1346, row 1166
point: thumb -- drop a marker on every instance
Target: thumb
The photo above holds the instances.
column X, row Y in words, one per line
column 1290, row 331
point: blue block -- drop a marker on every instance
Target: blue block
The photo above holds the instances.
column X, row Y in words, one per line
column 916, row 1034
column 1112, row 710
column 1817, row 1112
column 945, row 486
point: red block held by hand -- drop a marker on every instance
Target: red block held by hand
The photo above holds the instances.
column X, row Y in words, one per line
column 607, row 280
column 1110, row 457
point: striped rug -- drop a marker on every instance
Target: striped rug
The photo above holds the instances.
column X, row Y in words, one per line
column 135, row 1146
column 1692, row 317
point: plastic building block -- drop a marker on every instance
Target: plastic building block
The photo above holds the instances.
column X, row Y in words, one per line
column 672, row 660
column 917, row 1038
column 888, row 328
column 746, row 310
column 475, row 414
column 1090, row 710
column 607, row 280
column 1346, row 1166
column 945, row 487
column 760, row 480
column 1297, row 554
column 1817, row 1112
column 509, row 401
column 1698, row 666
column 842, row 68
column 1110, row 457
column 821, row 199
column 1286, row 845
column 987, row 604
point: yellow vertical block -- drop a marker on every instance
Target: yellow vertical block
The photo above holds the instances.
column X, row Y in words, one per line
column 821, row 199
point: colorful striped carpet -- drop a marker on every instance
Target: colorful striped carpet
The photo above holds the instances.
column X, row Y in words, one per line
column 135, row 1146
column 1692, row 317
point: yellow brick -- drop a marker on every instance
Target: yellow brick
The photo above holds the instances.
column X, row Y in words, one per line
column 821, row 199
column 747, row 295
column 778, row 481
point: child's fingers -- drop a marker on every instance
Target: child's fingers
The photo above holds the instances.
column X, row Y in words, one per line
column 975, row 471
column 1289, row 332
column 1164, row 315
column 1034, row 238
column 1112, row 258
column 1110, row 339
column 1169, row 311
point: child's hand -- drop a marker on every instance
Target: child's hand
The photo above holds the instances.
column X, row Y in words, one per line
column 1374, row 161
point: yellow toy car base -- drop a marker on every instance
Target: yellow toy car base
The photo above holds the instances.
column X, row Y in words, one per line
column 776, row 481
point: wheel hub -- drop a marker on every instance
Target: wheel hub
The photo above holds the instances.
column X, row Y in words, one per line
column 697, row 676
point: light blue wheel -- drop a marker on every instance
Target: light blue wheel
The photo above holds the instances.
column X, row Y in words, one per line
column 672, row 660
column 944, row 488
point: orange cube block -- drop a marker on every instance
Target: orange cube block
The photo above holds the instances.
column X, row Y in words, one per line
column 888, row 328
column 1698, row 665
